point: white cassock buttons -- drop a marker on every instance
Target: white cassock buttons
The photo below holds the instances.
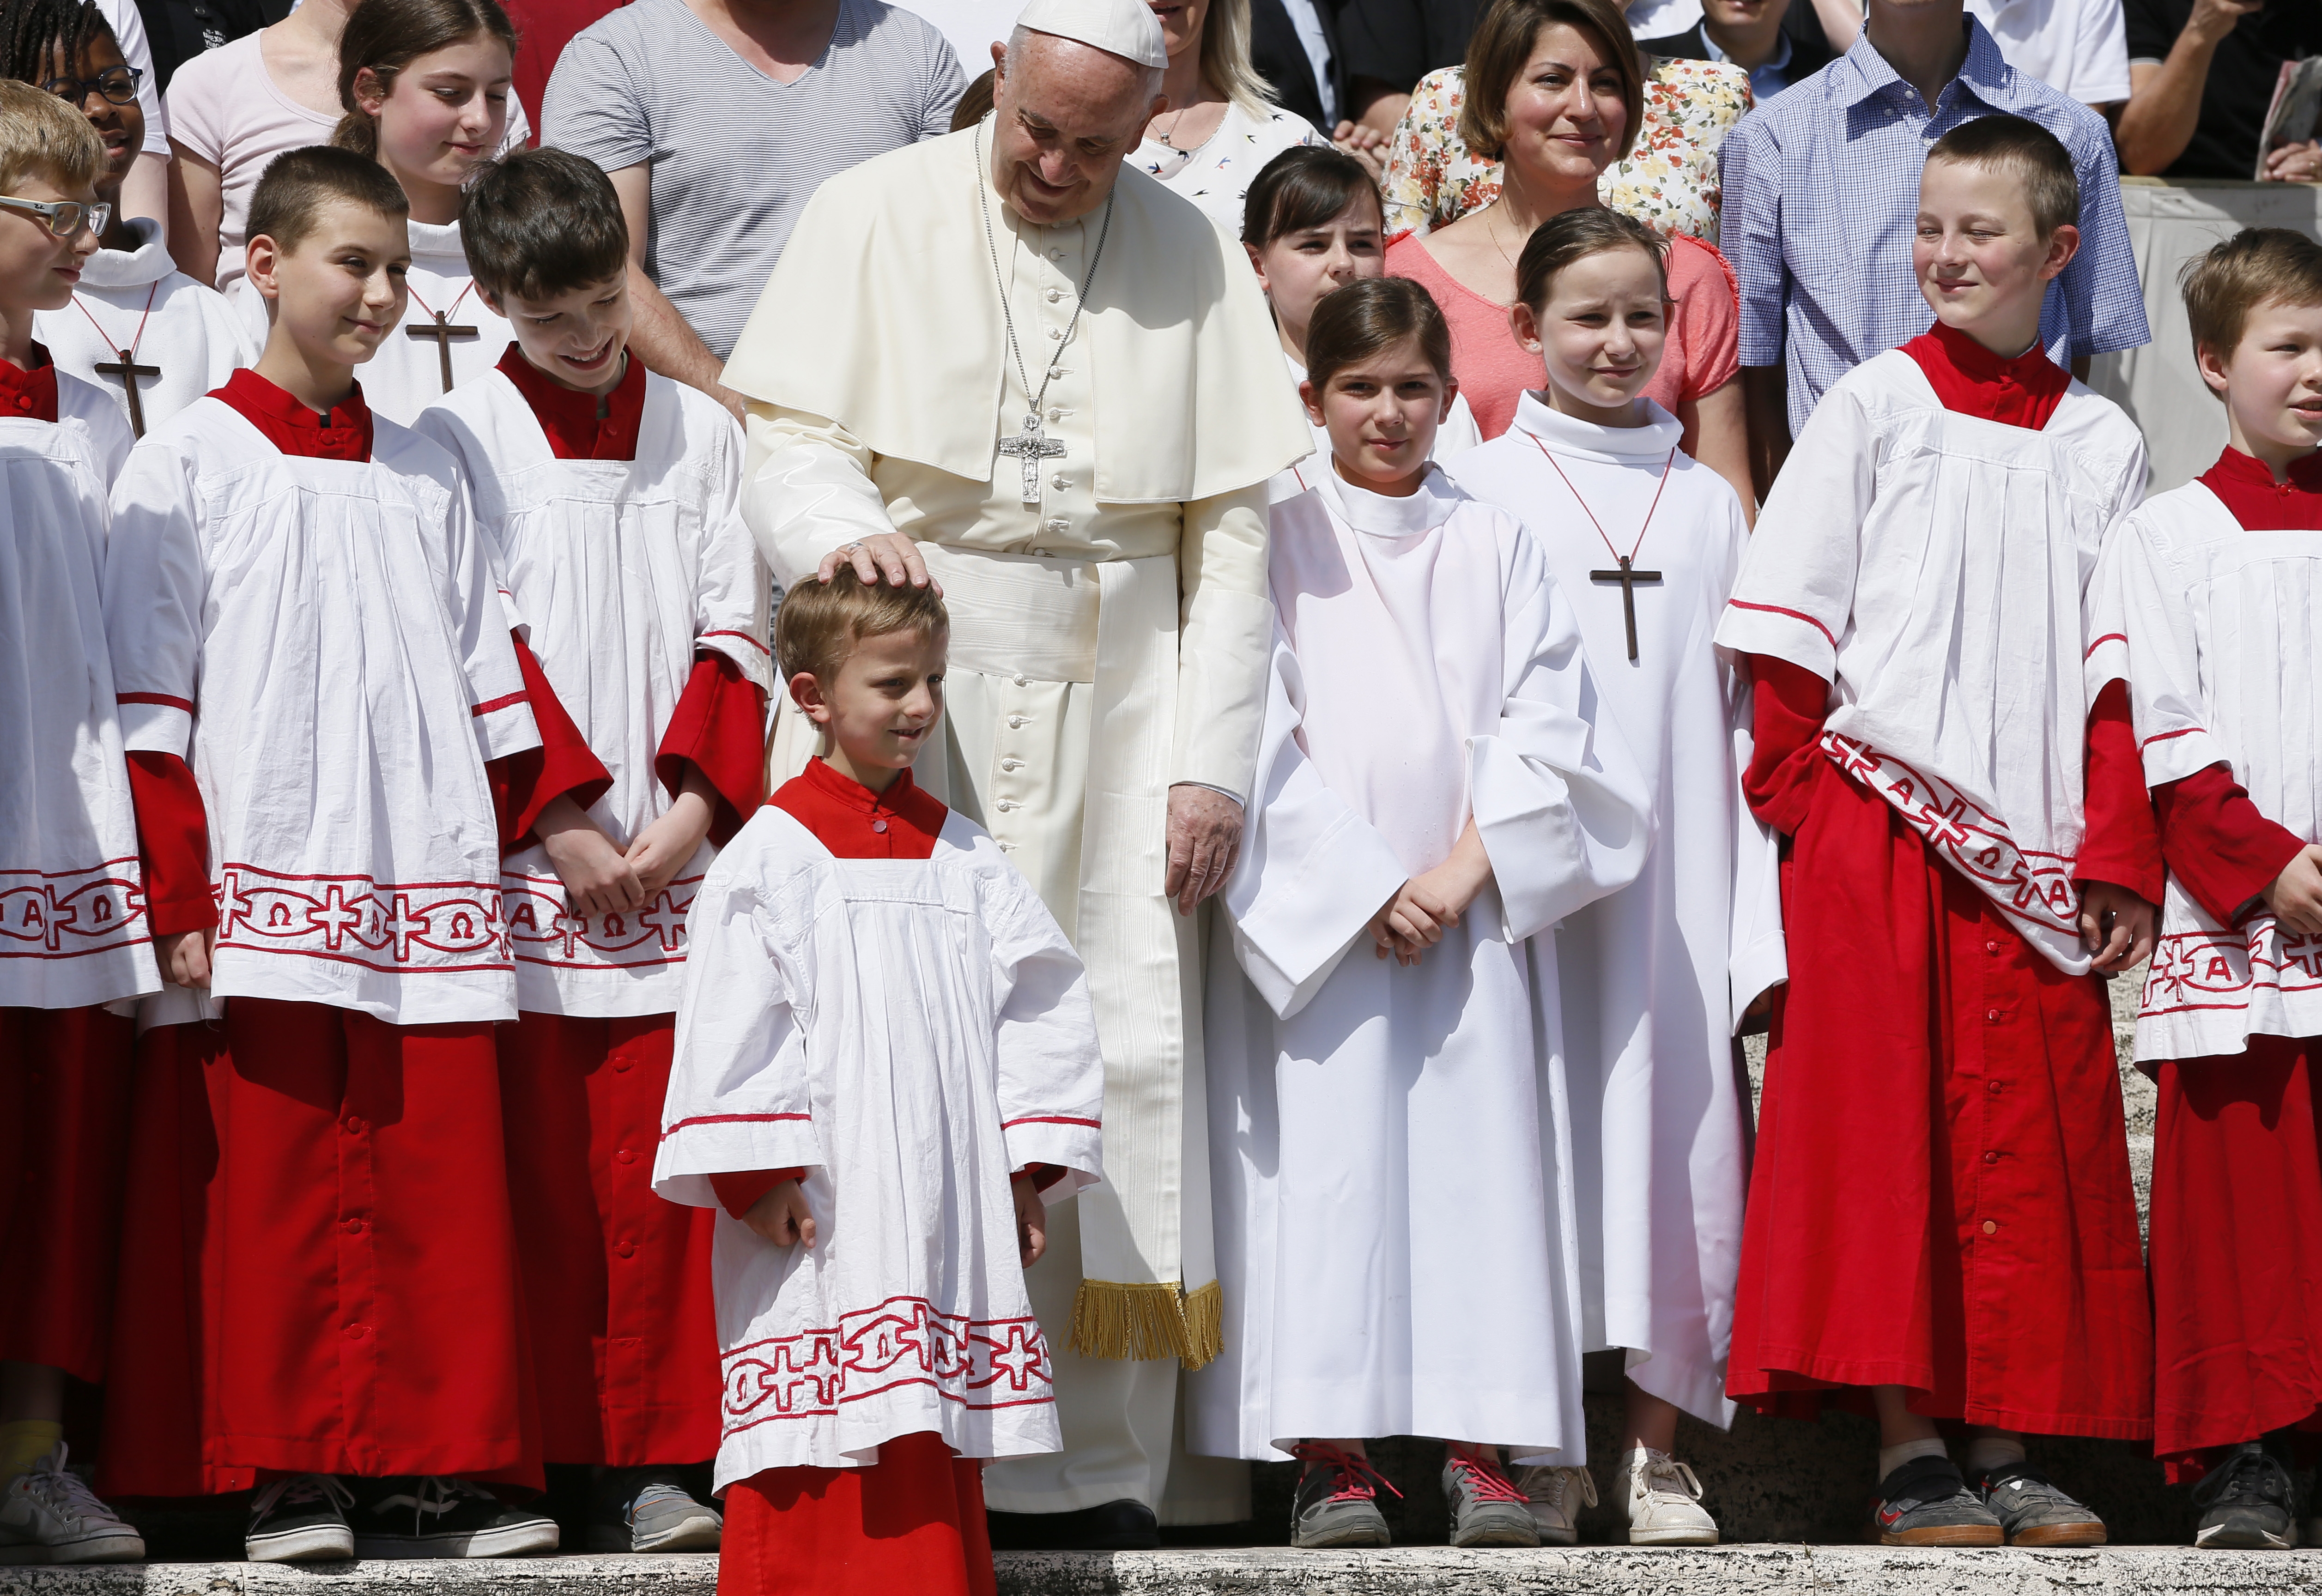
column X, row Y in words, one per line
column 1054, row 295
column 1006, row 804
column 1011, row 764
column 1060, row 480
column 1016, row 723
column 1055, row 332
column 879, row 825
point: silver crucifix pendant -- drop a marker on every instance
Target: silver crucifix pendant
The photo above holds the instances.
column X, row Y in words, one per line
column 1029, row 449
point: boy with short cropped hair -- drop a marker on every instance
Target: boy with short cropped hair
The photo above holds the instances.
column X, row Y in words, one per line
column 607, row 495
column 1940, row 1207
column 886, row 1065
column 73, row 934
column 2204, row 609
column 335, row 737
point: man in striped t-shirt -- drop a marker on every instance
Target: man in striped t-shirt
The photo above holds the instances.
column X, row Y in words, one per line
column 716, row 120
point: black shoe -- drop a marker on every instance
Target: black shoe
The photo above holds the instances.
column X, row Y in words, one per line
column 430, row 1515
column 301, row 1519
column 2034, row 1512
column 1123, row 1526
column 1926, row 1502
column 2244, row 1504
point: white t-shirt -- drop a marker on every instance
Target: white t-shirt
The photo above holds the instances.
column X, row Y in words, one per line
column 225, row 108
column 2078, row 47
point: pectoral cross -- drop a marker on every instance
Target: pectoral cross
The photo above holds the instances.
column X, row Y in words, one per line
column 1030, row 448
column 1627, row 576
column 128, row 371
column 442, row 333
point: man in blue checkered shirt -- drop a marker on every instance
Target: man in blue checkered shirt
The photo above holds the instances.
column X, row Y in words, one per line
column 1822, row 196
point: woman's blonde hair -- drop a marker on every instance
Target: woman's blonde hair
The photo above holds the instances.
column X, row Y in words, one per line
column 42, row 137
column 1226, row 64
column 1503, row 41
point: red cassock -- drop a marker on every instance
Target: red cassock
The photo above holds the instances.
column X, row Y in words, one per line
column 617, row 1280
column 321, row 1273
column 913, row 1522
column 1940, row 1197
column 64, row 1099
column 2236, row 1214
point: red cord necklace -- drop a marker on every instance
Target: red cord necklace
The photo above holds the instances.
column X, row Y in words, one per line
column 1628, row 575
column 127, row 367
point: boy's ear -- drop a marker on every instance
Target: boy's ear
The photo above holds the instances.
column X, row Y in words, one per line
column 492, row 301
column 261, row 263
column 2213, row 367
column 2062, row 245
column 805, row 692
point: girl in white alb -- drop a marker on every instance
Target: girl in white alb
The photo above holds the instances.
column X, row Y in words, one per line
column 1393, row 1178
column 182, row 337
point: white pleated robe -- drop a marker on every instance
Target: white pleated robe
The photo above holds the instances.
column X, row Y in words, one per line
column 620, row 571
column 137, row 300
column 1655, row 978
column 1391, row 1148
column 909, row 1031
column 72, row 905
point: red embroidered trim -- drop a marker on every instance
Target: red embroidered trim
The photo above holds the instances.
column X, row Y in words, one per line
column 164, row 699
column 2188, row 966
column 1795, row 615
column 493, row 706
column 901, row 1342
column 394, row 927
column 728, row 1120
column 98, row 910
column 2164, row 736
column 1051, row 1119
column 543, row 931
column 745, row 637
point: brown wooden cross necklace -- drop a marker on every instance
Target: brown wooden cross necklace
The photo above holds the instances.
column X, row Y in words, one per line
column 1628, row 575
column 126, row 368
column 440, row 330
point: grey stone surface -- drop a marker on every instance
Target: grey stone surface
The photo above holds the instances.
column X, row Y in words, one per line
column 1413, row 1571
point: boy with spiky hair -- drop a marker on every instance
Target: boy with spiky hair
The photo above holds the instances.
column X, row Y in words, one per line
column 1940, row 1220
column 338, row 737
column 2204, row 612
column 607, row 495
column 72, row 931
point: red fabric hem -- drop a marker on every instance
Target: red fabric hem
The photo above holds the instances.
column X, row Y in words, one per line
column 2218, row 844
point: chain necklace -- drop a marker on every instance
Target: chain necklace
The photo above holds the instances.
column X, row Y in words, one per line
column 1028, row 448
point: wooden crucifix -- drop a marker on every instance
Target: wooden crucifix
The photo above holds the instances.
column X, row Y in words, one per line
column 128, row 371
column 442, row 332
column 1627, row 576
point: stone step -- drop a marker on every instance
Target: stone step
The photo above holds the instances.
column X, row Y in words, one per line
column 1413, row 1571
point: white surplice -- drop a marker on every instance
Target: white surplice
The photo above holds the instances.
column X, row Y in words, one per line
column 2211, row 627
column 1390, row 1147
column 621, row 572
column 1457, row 436
column 407, row 375
column 72, row 903
column 908, row 1032
column 1931, row 564
column 1655, row 978
column 322, row 641
column 137, row 300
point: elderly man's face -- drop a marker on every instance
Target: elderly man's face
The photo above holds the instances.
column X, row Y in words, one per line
column 1066, row 115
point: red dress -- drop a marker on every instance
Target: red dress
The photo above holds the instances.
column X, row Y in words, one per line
column 2236, row 1254
column 616, row 1281
column 323, row 1275
column 64, row 1106
column 1940, row 1197
column 913, row 1522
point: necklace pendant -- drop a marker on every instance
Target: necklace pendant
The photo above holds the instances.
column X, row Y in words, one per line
column 1029, row 447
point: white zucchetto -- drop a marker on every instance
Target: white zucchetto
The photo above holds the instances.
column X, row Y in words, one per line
column 1125, row 28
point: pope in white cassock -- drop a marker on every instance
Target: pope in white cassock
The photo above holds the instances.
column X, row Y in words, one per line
column 1001, row 361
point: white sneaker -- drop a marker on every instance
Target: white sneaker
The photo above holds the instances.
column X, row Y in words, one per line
column 1662, row 1502
column 1557, row 1495
column 50, row 1516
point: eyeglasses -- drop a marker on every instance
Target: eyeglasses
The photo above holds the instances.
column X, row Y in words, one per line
column 117, row 85
column 64, row 218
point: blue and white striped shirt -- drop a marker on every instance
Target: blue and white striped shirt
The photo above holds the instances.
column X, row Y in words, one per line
column 1822, row 198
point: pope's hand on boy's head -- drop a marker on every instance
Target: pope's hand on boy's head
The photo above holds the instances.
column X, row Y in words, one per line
column 883, row 557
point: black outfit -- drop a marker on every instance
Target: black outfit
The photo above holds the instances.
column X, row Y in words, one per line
column 1281, row 59
column 2242, row 76
column 1397, row 42
column 177, row 30
column 1810, row 49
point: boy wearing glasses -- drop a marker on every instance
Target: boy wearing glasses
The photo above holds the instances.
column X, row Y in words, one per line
column 136, row 326
column 73, row 931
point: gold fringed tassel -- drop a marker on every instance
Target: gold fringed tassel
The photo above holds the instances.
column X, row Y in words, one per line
column 1205, row 1324
column 1111, row 1320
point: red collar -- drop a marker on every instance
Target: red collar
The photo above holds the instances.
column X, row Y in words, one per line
column 855, row 823
column 29, row 396
column 570, row 419
column 344, row 434
column 2247, row 488
column 1973, row 381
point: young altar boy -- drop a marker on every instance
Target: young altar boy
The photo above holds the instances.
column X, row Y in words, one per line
column 886, row 1066
column 136, row 326
column 335, row 739
column 606, row 497
column 2204, row 609
column 71, row 935
column 1940, row 1207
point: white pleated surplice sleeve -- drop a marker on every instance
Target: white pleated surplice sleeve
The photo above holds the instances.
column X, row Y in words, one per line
column 155, row 587
column 1049, row 1067
column 1312, row 871
column 474, row 596
column 1563, row 812
column 730, row 593
column 740, row 1081
column 2140, row 616
column 1794, row 598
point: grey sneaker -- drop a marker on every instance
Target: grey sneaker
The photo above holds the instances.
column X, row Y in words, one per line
column 2244, row 1504
column 2034, row 1512
column 1338, row 1499
column 48, row 1515
column 1486, row 1508
column 1556, row 1493
column 1926, row 1502
column 650, row 1511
